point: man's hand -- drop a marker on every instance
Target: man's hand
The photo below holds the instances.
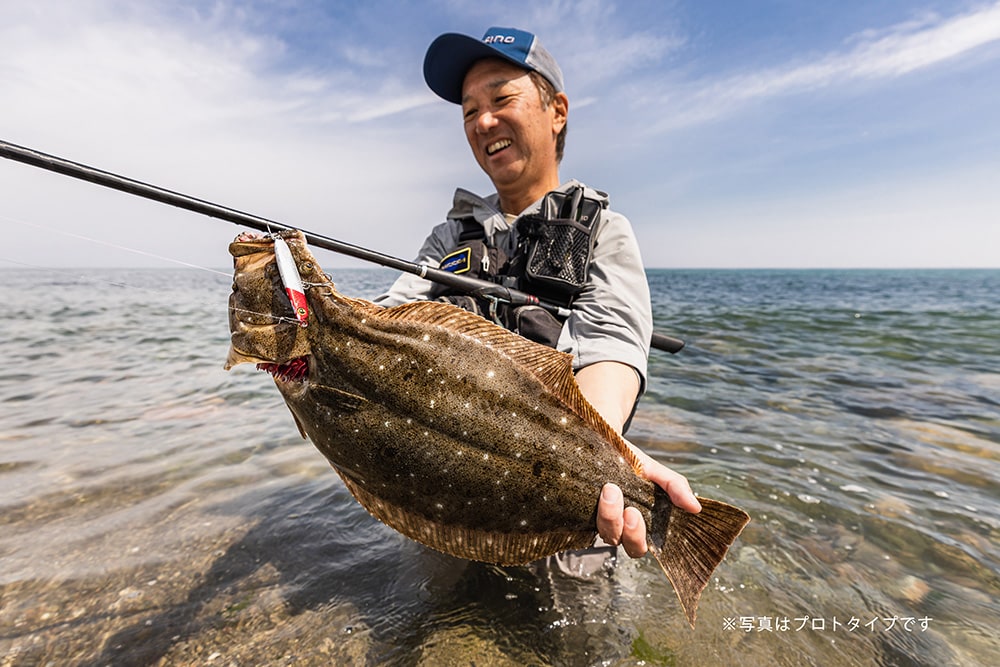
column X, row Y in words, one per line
column 611, row 388
column 618, row 524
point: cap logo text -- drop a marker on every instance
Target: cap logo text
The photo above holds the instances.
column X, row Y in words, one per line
column 504, row 39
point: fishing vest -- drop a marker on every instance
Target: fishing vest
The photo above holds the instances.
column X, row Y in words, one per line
column 551, row 261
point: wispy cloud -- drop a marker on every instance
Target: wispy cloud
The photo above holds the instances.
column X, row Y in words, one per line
column 212, row 104
column 901, row 50
column 596, row 43
column 127, row 69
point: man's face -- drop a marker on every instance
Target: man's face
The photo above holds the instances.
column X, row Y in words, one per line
column 512, row 136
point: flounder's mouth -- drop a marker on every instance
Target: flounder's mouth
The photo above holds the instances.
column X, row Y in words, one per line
column 294, row 370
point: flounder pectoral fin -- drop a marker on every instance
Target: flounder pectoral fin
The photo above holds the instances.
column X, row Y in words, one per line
column 338, row 399
column 690, row 546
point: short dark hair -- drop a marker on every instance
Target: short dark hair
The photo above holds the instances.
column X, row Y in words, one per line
column 547, row 93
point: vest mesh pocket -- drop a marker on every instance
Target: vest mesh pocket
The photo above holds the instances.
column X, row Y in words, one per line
column 561, row 254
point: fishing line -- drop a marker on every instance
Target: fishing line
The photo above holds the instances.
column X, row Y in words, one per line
column 70, row 276
column 78, row 278
column 112, row 245
column 276, row 318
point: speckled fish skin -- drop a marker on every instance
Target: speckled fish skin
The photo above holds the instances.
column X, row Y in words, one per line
column 454, row 431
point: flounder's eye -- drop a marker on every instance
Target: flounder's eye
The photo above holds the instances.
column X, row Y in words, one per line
column 307, row 266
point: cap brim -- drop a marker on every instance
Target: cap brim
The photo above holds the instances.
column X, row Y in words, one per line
column 449, row 58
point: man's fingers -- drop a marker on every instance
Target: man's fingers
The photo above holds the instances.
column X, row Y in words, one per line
column 634, row 535
column 610, row 519
column 681, row 494
column 674, row 483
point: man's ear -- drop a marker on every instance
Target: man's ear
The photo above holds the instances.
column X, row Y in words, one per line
column 560, row 105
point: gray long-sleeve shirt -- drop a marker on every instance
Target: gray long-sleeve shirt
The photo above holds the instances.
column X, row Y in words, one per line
column 611, row 318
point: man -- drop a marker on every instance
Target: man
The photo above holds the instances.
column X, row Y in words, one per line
column 515, row 110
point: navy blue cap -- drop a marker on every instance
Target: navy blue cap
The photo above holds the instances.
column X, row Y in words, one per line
column 450, row 56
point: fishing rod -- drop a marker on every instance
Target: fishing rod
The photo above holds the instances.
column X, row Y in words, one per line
column 472, row 286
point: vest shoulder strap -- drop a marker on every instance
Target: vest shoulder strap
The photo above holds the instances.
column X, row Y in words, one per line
column 471, row 230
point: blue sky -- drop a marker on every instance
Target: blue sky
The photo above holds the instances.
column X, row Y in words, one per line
column 732, row 134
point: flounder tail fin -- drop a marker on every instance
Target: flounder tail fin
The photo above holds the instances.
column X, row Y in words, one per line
column 690, row 546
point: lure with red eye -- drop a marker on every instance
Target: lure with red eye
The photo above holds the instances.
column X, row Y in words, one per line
column 291, row 280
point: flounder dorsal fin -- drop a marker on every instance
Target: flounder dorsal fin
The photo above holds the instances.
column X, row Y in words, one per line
column 552, row 368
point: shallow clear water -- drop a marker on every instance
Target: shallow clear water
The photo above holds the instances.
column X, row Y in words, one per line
column 159, row 510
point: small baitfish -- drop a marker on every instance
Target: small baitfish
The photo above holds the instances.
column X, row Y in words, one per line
column 454, row 431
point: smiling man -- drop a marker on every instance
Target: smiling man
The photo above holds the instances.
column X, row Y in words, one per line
column 558, row 240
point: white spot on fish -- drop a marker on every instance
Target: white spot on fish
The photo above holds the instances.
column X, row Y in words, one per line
column 381, row 367
column 524, row 522
column 562, row 474
column 518, row 455
column 486, row 457
column 490, row 374
column 432, row 402
column 409, row 420
column 387, row 424
column 563, row 421
column 513, row 414
column 427, row 337
column 439, row 506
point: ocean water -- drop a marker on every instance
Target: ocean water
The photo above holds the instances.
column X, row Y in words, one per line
column 158, row 510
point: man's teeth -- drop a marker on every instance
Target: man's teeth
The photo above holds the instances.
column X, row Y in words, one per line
column 494, row 147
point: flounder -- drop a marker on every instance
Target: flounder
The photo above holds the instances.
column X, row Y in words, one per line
column 452, row 430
